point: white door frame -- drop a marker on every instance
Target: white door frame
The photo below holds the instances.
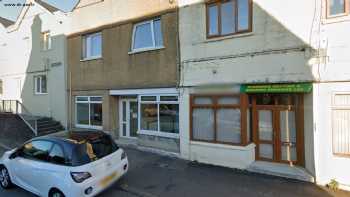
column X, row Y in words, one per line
column 127, row 119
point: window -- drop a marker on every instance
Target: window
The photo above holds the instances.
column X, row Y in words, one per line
column 56, row 155
column 46, row 41
column 229, row 17
column 1, row 87
column 37, row 150
column 147, row 35
column 40, row 84
column 89, row 112
column 159, row 114
column 219, row 119
column 341, row 124
column 337, row 7
column 92, row 46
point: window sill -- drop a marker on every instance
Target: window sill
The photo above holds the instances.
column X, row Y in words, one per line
column 39, row 94
column 225, row 146
column 160, row 134
column 88, row 127
column 336, row 19
column 145, row 50
column 90, row 59
column 215, row 39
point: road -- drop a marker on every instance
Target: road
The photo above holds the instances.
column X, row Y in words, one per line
column 152, row 175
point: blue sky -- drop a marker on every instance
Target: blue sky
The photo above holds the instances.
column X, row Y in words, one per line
column 12, row 12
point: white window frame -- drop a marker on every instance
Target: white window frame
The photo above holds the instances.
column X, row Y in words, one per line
column 154, row 47
column 89, row 126
column 157, row 102
column 336, row 107
column 36, row 85
column 47, row 41
column 87, row 46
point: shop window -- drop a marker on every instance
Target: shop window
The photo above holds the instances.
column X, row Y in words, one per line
column 89, row 112
column 220, row 119
column 341, row 124
column 159, row 115
column 229, row 17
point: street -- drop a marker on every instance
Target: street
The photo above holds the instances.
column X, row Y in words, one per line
column 152, row 175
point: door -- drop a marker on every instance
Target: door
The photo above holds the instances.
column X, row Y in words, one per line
column 29, row 166
column 128, row 118
column 277, row 131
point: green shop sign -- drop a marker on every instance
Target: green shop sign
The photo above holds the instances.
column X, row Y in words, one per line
column 277, row 88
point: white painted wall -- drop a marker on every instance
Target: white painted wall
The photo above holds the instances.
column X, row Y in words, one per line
column 22, row 58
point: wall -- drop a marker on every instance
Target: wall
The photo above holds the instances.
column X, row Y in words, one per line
column 328, row 165
column 251, row 57
column 119, row 70
column 23, row 58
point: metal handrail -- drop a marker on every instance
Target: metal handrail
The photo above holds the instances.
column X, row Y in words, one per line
column 16, row 107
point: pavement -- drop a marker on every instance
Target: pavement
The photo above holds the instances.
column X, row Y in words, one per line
column 153, row 175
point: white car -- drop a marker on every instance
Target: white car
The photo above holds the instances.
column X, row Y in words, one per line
column 67, row 164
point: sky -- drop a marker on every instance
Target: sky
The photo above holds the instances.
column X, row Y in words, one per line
column 12, row 12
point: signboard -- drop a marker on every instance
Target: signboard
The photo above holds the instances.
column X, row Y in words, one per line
column 277, row 88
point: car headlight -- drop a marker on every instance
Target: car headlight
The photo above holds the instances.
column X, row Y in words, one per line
column 80, row 177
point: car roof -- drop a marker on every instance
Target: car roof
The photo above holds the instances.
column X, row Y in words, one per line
column 72, row 137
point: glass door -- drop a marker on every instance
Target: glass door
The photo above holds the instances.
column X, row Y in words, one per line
column 128, row 114
column 266, row 135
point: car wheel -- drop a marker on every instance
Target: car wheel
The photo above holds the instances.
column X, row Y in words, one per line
column 5, row 180
column 56, row 193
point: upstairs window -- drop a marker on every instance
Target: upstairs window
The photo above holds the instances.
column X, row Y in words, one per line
column 337, row 7
column 92, row 46
column 40, row 84
column 147, row 35
column 46, row 41
column 1, row 87
column 228, row 17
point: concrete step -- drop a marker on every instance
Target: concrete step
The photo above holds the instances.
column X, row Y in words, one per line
column 282, row 170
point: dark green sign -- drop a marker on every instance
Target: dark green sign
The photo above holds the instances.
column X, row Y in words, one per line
column 277, row 88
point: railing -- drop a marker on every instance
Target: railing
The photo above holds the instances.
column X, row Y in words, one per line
column 16, row 107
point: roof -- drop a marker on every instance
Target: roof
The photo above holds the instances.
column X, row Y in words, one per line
column 47, row 6
column 6, row 22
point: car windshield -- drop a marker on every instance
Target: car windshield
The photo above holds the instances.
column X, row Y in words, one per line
column 92, row 150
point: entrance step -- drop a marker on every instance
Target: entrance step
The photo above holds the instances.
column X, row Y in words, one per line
column 282, row 170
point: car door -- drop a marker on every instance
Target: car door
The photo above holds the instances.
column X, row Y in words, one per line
column 29, row 163
column 53, row 171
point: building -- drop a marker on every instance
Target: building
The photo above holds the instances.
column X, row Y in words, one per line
column 258, row 88
column 123, row 70
column 33, row 62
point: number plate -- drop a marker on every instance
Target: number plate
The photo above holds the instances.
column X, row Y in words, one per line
column 108, row 179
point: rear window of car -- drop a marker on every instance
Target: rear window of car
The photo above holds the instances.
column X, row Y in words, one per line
column 92, row 150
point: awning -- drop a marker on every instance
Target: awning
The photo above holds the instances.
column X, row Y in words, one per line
column 277, row 88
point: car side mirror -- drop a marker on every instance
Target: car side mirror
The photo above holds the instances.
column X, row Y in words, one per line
column 15, row 154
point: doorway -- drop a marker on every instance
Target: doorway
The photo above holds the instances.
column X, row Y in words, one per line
column 128, row 113
column 278, row 127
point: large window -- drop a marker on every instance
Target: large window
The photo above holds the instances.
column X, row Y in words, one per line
column 46, row 41
column 89, row 112
column 92, row 46
column 227, row 17
column 341, row 124
column 337, row 7
column 40, row 84
column 159, row 115
column 219, row 119
column 147, row 35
